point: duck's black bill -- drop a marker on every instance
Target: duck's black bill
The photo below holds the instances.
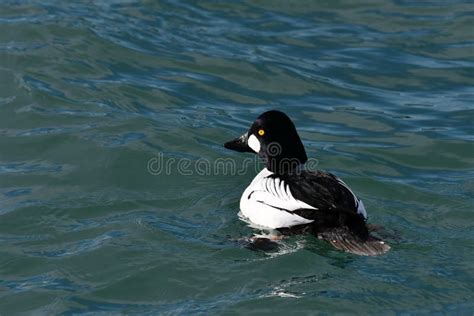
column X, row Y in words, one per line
column 239, row 144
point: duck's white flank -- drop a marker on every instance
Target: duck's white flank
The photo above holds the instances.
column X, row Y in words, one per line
column 268, row 202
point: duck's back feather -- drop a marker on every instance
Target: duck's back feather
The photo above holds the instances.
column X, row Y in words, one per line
column 323, row 191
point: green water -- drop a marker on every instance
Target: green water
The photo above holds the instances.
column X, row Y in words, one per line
column 90, row 91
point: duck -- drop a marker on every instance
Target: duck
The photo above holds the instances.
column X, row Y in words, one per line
column 286, row 197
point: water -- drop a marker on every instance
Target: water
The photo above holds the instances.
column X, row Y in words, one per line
column 381, row 92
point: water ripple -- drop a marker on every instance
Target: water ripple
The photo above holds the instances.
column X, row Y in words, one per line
column 76, row 248
column 48, row 281
column 31, row 167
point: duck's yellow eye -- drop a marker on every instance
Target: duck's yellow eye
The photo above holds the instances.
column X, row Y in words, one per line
column 261, row 132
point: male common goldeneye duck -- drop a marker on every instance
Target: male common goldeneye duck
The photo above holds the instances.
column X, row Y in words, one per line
column 284, row 195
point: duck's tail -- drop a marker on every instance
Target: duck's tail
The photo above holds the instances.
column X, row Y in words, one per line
column 347, row 231
column 341, row 240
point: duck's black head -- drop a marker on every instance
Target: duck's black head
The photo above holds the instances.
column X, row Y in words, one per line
column 274, row 138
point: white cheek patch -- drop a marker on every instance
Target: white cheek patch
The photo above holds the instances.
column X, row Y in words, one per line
column 254, row 143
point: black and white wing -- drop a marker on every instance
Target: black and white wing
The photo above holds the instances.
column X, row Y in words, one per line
column 324, row 191
column 269, row 202
column 359, row 205
column 275, row 192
